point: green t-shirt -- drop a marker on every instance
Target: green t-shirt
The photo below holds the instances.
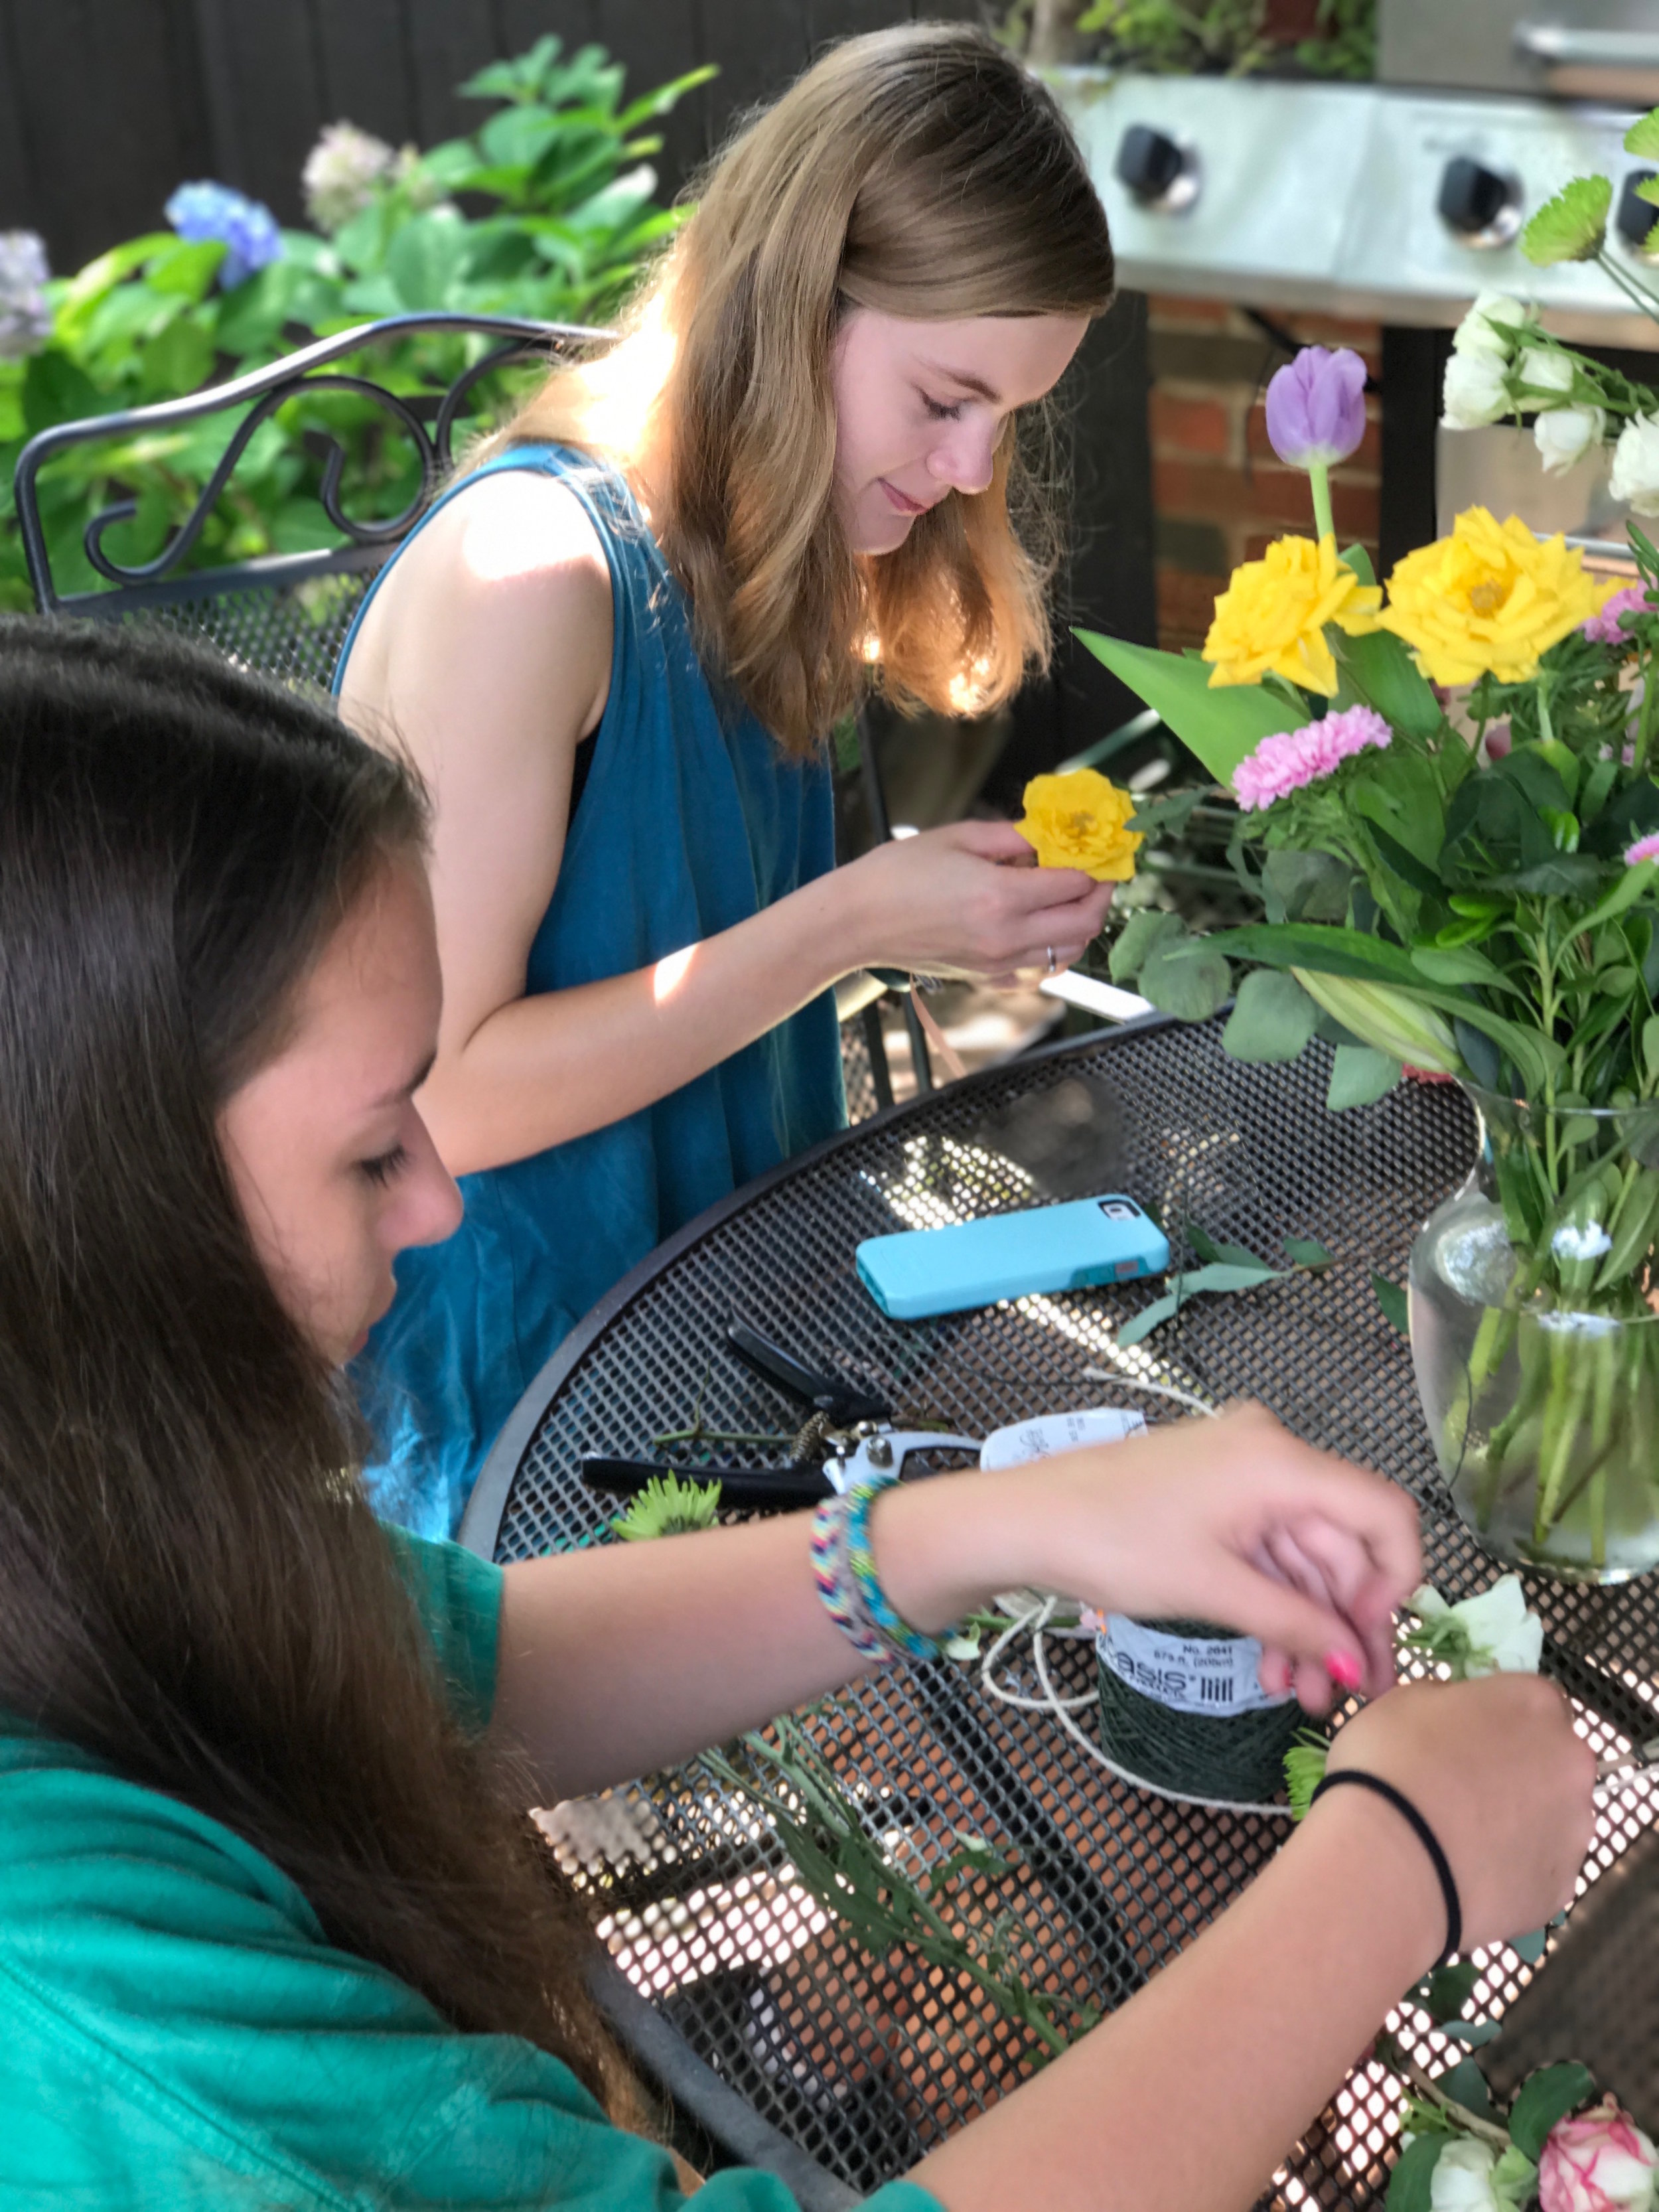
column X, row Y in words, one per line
column 179, row 2037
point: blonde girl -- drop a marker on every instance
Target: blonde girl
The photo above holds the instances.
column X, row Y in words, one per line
column 616, row 649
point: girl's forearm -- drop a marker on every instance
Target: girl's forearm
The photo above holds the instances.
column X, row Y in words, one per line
column 1190, row 2096
column 543, row 1069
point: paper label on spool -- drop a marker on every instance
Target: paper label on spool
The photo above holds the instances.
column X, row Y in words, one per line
column 1216, row 1675
column 1046, row 1433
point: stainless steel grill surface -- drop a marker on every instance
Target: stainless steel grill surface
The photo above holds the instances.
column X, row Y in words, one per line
column 867, row 2062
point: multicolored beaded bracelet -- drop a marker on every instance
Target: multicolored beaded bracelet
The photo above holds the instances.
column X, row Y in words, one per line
column 898, row 1633
column 840, row 1593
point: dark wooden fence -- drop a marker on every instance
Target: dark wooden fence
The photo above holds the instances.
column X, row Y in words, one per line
column 106, row 104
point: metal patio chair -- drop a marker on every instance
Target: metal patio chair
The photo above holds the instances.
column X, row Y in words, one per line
column 287, row 614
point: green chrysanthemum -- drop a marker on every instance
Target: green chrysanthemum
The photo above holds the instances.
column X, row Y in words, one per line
column 1304, row 1770
column 1642, row 136
column 668, row 1507
column 1573, row 225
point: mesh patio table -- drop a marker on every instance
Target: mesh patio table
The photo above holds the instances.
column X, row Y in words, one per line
column 864, row 2063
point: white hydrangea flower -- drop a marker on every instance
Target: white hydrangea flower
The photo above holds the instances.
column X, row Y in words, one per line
column 1475, row 392
column 25, row 317
column 1635, row 464
column 342, row 174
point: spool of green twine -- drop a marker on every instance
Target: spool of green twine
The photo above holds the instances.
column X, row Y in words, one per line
column 1153, row 1688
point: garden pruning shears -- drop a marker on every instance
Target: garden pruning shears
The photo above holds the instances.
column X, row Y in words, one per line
column 848, row 1436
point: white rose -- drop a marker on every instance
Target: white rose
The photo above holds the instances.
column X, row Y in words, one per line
column 1461, row 2181
column 1565, row 435
column 1543, row 370
column 1635, row 464
column 1505, row 1638
column 1474, row 392
column 1492, row 325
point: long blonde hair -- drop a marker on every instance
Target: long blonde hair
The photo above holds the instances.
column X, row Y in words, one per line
column 919, row 171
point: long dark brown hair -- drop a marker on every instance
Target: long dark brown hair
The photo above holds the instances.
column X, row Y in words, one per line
column 191, row 1585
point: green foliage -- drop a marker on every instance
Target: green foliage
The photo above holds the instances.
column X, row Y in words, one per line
column 846, row 1870
column 1181, row 35
column 1272, row 1017
column 1224, row 1267
column 1219, row 726
column 1546, row 2096
column 1360, row 1075
column 1392, row 1299
column 668, row 1507
column 559, row 217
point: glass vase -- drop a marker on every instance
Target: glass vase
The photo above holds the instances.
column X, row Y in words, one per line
column 1535, row 1339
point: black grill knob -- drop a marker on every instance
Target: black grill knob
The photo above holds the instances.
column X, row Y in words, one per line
column 1147, row 162
column 1472, row 199
column 1636, row 217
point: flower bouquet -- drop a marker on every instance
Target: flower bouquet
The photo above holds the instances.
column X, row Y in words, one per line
column 1448, row 806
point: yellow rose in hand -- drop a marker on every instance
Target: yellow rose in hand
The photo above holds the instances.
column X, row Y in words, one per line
column 1075, row 821
column 1271, row 618
column 1490, row 597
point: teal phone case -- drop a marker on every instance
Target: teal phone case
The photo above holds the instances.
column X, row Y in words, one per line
column 921, row 1272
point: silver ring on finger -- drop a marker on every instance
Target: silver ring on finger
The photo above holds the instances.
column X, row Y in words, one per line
column 1051, row 959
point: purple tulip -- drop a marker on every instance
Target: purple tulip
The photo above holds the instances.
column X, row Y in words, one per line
column 1316, row 407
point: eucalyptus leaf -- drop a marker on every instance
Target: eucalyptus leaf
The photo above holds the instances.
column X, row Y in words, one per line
column 1466, row 2085
column 1392, row 1299
column 1547, row 2097
column 1238, row 1256
column 1448, row 1990
column 1272, row 1017
column 1227, row 1275
column 1308, row 1252
column 1136, row 940
column 1305, row 886
column 1190, row 980
column 1474, row 2032
column 1530, row 1948
column 1359, row 1077
column 1219, row 725
column 1148, row 1319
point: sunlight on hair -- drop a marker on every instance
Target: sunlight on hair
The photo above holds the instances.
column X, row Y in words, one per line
column 669, row 974
column 972, row 688
column 620, row 400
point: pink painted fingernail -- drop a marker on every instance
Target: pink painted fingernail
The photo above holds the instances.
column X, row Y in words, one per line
column 1343, row 1668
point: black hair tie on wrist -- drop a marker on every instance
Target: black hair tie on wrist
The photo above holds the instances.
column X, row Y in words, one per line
column 1425, row 1835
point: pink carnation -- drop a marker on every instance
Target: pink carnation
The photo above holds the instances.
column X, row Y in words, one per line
column 1600, row 2162
column 1645, row 848
column 1284, row 762
column 1604, row 627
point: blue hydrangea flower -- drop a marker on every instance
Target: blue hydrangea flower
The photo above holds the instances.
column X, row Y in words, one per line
column 247, row 227
column 25, row 317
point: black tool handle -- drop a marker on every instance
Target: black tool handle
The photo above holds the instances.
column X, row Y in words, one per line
column 828, row 1394
column 750, row 1487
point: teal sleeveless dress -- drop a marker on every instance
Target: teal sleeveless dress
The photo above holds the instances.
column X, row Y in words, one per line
column 689, row 819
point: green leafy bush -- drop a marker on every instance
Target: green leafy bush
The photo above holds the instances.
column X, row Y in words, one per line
column 1237, row 36
column 548, row 210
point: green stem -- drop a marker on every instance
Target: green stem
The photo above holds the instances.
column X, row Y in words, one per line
column 1319, row 478
column 1646, row 301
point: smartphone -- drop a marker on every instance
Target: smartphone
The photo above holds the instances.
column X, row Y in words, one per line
column 921, row 1272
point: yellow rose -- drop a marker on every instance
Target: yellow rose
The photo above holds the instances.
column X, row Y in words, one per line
column 1271, row 618
column 1490, row 597
column 1075, row 821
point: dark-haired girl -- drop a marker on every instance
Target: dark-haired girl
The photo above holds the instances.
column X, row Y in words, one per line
column 272, row 1932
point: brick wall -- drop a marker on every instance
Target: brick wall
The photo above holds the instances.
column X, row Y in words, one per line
column 1219, row 492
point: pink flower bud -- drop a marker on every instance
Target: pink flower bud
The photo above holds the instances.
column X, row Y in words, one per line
column 1600, row 2162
